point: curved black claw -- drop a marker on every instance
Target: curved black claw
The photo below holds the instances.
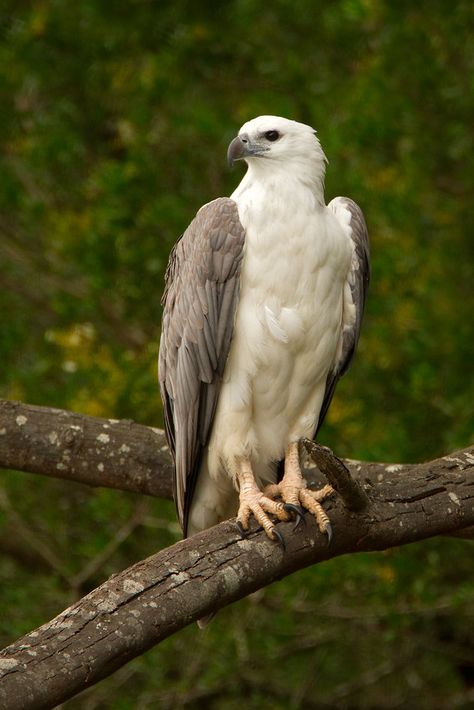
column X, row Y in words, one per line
column 298, row 512
column 279, row 538
column 242, row 531
column 328, row 531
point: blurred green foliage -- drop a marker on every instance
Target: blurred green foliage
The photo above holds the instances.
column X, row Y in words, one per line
column 115, row 118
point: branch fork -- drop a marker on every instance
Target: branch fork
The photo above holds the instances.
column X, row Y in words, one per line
column 338, row 475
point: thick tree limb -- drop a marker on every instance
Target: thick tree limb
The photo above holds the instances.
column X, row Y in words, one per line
column 90, row 450
column 155, row 598
column 148, row 602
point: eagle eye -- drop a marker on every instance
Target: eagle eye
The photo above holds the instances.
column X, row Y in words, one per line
column 271, row 135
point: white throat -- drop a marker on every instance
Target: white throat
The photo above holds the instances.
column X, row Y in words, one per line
column 287, row 182
column 272, row 188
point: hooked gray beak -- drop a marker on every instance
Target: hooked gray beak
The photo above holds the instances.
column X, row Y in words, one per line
column 241, row 148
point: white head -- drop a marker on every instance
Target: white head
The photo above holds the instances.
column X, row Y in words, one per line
column 272, row 143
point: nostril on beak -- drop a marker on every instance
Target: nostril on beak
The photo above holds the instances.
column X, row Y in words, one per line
column 244, row 138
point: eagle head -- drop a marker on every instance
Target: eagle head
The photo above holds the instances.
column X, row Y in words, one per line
column 270, row 139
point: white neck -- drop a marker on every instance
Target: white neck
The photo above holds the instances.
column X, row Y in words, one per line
column 285, row 183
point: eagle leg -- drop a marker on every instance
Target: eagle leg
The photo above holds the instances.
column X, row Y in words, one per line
column 293, row 491
column 253, row 502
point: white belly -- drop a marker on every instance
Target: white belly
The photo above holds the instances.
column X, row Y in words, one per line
column 287, row 327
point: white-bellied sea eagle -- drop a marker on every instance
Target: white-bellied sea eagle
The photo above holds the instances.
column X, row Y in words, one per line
column 262, row 313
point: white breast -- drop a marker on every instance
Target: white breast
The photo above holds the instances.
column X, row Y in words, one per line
column 287, row 327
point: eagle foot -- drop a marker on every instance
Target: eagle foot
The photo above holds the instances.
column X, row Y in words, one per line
column 242, row 531
column 296, row 497
column 297, row 511
column 311, row 500
column 308, row 501
column 279, row 538
column 254, row 502
column 258, row 505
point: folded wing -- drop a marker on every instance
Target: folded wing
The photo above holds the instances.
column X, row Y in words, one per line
column 200, row 299
column 351, row 218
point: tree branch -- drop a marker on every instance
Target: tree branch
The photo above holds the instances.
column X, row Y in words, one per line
column 148, row 602
column 110, row 453
column 90, row 450
column 127, row 456
column 338, row 475
column 155, row 598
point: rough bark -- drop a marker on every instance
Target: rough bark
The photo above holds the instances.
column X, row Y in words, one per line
column 90, row 450
column 139, row 607
column 338, row 475
column 155, row 598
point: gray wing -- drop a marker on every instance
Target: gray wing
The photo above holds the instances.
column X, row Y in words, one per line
column 200, row 298
column 352, row 219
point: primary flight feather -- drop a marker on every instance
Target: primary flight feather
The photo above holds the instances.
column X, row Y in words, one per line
column 263, row 305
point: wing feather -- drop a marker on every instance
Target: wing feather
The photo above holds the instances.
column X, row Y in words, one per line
column 200, row 298
column 352, row 220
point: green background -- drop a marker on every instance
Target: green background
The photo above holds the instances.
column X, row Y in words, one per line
column 115, row 119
